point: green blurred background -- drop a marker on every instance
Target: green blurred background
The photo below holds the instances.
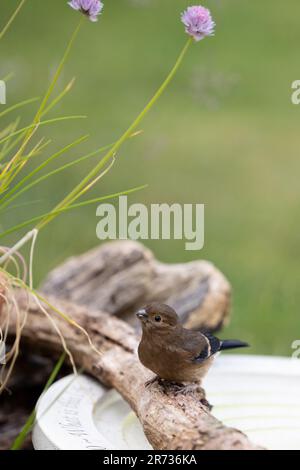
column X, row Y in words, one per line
column 225, row 134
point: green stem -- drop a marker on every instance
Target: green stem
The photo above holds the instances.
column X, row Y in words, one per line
column 11, row 19
column 58, row 72
column 80, row 188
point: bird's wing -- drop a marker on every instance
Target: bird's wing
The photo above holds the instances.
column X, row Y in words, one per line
column 193, row 346
column 204, row 346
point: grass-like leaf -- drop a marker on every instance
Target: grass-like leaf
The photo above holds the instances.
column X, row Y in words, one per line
column 21, row 104
column 5, row 180
column 56, row 100
column 13, row 126
column 42, row 123
column 11, row 195
column 69, row 208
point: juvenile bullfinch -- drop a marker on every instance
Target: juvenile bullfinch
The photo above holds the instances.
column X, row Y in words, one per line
column 174, row 353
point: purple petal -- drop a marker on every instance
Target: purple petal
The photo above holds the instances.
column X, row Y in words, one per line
column 92, row 8
column 96, row 8
column 74, row 4
column 198, row 22
column 86, row 4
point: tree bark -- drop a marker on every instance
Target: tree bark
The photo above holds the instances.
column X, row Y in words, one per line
column 120, row 277
column 171, row 420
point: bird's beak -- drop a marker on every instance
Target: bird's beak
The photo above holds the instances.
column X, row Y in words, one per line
column 142, row 314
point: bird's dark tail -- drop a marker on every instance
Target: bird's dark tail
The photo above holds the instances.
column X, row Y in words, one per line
column 232, row 344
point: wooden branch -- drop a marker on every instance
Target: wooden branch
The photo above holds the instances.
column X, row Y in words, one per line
column 120, row 277
column 171, row 421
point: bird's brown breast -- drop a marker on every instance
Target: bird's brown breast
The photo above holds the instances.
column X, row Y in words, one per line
column 167, row 359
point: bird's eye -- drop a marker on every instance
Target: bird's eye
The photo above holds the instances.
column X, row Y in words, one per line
column 157, row 318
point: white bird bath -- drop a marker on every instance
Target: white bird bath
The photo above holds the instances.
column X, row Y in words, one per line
column 257, row 394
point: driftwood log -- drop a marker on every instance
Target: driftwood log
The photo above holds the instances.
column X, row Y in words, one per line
column 171, row 419
column 121, row 277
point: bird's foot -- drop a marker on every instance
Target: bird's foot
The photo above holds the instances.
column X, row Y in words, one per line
column 196, row 388
column 206, row 403
column 155, row 379
column 188, row 389
column 165, row 384
column 178, row 388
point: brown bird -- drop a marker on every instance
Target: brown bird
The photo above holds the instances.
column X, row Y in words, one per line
column 172, row 352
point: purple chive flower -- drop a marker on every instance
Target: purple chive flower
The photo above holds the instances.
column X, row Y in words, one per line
column 198, row 22
column 91, row 8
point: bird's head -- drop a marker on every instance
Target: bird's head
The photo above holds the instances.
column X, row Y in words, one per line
column 158, row 316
